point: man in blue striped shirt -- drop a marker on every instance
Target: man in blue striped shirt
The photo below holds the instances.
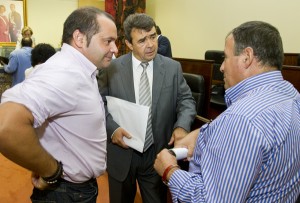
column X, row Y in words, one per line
column 251, row 152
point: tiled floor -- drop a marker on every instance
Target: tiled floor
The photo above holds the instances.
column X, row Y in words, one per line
column 15, row 185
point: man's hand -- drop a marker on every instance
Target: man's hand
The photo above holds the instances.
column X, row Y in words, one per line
column 189, row 141
column 177, row 135
column 38, row 182
column 163, row 160
column 117, row 137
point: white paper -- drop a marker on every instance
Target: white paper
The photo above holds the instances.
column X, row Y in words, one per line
column 180, row 153
column 132, row 117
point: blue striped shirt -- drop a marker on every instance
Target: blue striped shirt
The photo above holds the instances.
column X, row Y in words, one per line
column 251, row 152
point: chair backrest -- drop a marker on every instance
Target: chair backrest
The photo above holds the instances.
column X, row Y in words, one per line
column 197, row 86
column 217, row 99
column 218, row 57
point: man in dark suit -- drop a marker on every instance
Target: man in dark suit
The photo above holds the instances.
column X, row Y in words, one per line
column 172, row 111
column 164, row 44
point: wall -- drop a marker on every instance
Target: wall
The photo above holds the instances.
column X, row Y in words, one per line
column 97, row 3
column 194, row 26
column 46, row 18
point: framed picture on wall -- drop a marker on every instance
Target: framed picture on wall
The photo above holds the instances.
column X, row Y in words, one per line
column 12, row 19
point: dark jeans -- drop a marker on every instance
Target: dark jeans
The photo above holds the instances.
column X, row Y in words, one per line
column 68, row 192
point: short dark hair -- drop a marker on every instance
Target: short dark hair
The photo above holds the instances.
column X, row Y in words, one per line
column 26, row 42
column 138, row 21
column 41, row 53
column 85, row 20
column 263, row 38
column 158, row 31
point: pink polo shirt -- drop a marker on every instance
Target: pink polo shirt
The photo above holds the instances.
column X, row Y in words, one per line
column 69, row 115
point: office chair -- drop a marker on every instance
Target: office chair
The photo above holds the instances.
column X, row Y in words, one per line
column 196, row 84
column 218, row 58
column 218, row 91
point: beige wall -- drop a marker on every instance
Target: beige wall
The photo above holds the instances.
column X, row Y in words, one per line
column 46, row 19
column 193, row 26
column 97, row 3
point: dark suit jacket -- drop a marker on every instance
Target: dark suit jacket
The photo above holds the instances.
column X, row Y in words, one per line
column 172, row 105
column 164, row 46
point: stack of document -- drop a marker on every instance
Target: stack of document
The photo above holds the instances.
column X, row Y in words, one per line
column 131, row 117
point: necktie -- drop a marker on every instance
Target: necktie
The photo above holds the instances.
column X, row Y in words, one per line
column 145, row 99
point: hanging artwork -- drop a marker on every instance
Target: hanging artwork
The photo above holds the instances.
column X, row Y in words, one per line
column 12, row 19
column 120, row 9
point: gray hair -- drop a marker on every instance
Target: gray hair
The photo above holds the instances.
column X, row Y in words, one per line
column 263, row 38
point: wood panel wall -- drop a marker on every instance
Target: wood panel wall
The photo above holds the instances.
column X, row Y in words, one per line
column 291, row 59
column 292, row 74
